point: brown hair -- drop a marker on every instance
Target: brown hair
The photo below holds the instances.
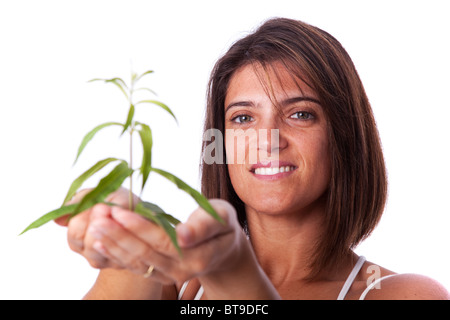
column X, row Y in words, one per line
column 358, row 187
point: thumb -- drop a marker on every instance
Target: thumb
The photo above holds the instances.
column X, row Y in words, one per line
column 201, row 226
column 63, row 221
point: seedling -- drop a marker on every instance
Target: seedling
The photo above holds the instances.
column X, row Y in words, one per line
column 116, row 177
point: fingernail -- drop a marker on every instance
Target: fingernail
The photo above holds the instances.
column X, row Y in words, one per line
column 184, row 234
column 117, row 213
column 98, row 246
column 95, row 232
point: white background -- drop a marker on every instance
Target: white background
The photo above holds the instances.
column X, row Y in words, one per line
column 49, row 49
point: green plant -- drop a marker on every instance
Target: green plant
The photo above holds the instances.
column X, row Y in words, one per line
column 123, row 170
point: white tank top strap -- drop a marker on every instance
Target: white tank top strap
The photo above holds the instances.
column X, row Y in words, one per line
column 183, row 289
column 351, row 278
column 199, row 294
column 372, row 285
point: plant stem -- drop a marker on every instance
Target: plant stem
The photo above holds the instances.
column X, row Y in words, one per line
column 130, row 164
column 130, row 193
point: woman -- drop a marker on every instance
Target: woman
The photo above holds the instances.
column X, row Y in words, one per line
column 292, row 215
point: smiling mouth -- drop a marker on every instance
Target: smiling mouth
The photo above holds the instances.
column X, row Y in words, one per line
column 273, row 171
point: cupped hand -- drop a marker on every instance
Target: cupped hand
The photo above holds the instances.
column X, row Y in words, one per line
column 114, row 237
column 79, row 238
column 130, row 241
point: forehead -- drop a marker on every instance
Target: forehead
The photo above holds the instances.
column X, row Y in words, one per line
column 274, row 79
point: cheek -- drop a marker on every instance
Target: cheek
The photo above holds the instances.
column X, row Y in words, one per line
column 230, row 150
column 238, row 178
column 241, row 146
column 236, row 152
column 316, row 158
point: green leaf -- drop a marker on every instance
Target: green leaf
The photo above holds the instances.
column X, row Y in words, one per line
column 133, row 77
column 171, row 219
column 96, row 79
column 156, row 210
column 198, row 197
column 162, row 105
column 76, row 184
column 147, row 89
column 147, row 142
column 52, row 215
column 170, row 230
column 88, row 137
column 106, row 186
column 116, row 81
column 145, row 209
column 129, row 118
column 143, row 74
column 157, row 215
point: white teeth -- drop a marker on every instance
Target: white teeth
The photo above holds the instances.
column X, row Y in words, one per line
column 272, row 171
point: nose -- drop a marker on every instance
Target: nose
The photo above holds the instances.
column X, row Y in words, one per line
column 271, row 138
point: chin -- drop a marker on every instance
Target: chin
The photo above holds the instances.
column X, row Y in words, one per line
column 272, row 206
column 279, row 205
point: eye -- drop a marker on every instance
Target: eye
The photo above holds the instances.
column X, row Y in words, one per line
column 302, row 115
column 242, row 118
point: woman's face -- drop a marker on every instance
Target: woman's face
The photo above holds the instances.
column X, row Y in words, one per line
column 288, row 175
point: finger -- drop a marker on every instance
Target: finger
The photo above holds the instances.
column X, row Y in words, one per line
column 209, row 255
column 99, row 258
column 91, row 251
column 109, row 258
column 147, row 231
column 79, row 196
column 201, row 226
column 134, row 261
column 154, row 274
column 121, row 198
column 111, row 250
column 77, row 230
column 64, row 220
column 78, row 225
column 119, row 236
column 125, row 246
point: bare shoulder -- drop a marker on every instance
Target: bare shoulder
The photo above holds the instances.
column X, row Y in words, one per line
column 409, row 287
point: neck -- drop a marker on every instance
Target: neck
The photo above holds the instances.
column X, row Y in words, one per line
column 284, row 243
column 283, row 250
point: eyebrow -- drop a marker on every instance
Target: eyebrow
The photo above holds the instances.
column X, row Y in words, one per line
column 283, row 103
